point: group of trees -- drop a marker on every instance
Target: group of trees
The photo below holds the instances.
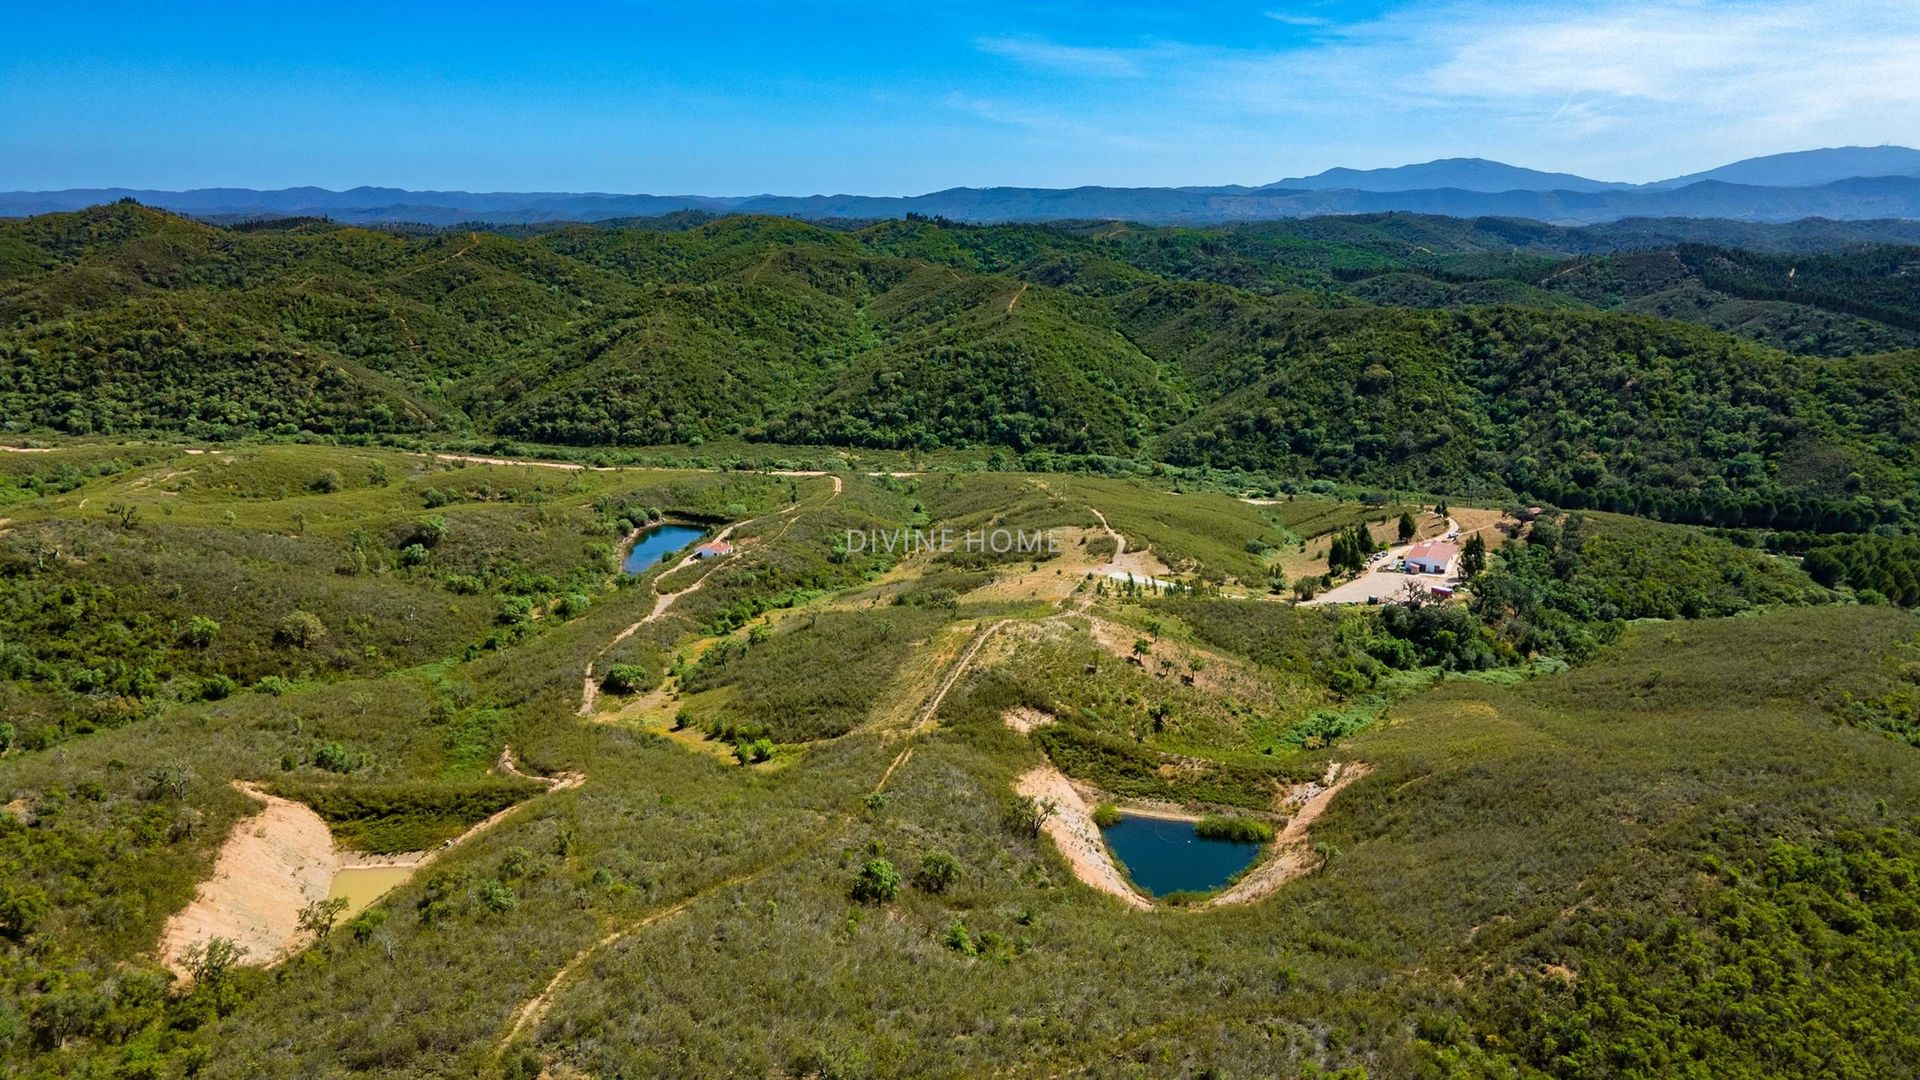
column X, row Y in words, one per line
column 1875, row 567
column 1350, row 550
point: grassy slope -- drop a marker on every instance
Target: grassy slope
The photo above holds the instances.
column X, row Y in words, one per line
column 1362, row 952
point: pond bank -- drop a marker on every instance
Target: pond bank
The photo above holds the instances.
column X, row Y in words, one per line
column 283, row 858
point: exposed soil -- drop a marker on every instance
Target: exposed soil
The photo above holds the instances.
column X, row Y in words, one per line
column 273, row 864
column 1024, row 720
column 1293, row 855
column 1073, row 832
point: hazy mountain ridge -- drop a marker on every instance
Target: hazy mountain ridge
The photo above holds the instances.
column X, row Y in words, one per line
column 1845, row 183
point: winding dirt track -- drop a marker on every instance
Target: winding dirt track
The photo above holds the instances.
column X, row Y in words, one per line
column 662, row 602
column 534, row 1009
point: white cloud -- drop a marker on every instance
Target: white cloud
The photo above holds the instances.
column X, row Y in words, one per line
column 1646, row 86
column 1077, row 60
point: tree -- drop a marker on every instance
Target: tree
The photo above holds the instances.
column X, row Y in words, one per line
column 938, row 872
column 624, row 679
column 1407, row 526
column 318, row 917
column 210, row 965
column 301, row 630
column 1473, row 557
column 877, row 883
column 1029, row 815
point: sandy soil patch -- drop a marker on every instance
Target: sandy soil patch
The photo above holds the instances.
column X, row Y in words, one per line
column 473, row 459
column 1073, row 832
column 273, row 864
column 1293, row 855
column 283, row 858
column 1023, row 719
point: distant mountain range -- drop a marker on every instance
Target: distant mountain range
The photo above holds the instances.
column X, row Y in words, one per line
column 1847, row 183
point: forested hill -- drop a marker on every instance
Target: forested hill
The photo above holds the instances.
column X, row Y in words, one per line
column 1640, row 366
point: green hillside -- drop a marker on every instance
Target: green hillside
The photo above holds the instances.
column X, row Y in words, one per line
column 1275, row 349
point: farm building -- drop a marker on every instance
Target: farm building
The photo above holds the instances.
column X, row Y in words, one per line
column 1431, row 557
column 713, row 550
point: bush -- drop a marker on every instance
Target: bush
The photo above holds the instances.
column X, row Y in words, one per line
column 756, row 751
column 877, row 883
column 200, row 631
column 300, row 630
column 334, row 757
column 1244, row 830
column 496, row 897
column 624, row 679
column 413, row 555
column 326, row 483
column 1106, row 815
column 960, row 941
column 572, row 605
column 215, row 687
column 938, row 872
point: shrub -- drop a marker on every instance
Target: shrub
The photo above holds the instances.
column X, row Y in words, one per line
column 624, row 679
column 877, row 883
column 274, row 685
column 1106, row 815
column 938, row 872
column 1245, row 830
column 413, row 555
column 215, row 687
column 960, row 941
column 363, row 926
column 496, row 897
column 756, row 750
column 334, row 757
column 573, row 605
column 326, row 483
column 300, row 630
column 200, row 631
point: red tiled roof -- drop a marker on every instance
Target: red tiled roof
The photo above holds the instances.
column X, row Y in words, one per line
column 1437, row 551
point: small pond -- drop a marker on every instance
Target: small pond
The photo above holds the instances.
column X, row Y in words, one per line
column 1163, row 855
column 656, row 544
column 362, row 885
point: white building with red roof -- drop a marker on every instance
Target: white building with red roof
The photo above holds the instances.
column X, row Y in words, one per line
column 1432, row 557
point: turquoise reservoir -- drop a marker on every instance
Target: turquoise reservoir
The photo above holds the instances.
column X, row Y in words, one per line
column 1163, row 855
column 656, row 544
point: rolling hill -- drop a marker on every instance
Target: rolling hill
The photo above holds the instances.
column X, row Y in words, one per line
column 1299, row 350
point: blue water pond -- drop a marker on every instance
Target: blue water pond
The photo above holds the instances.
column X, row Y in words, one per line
column 656, row 544
column 1163, row 855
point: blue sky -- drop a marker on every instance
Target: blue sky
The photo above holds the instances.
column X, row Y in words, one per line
column 885, row 98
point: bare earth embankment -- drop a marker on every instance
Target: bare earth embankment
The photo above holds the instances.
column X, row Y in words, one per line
column 275, row 863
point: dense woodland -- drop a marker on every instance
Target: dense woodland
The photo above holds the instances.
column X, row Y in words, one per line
column 1631, row 368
